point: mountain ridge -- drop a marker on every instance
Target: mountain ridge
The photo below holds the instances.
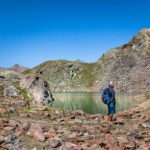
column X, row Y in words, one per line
column 17, row 68
column 124, row 65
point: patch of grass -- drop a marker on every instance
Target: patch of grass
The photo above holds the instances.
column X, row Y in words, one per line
column 64, row 112
column 29, row 71
column 1, row 89
column 102, row 58
column 7, row 114
column 23, row 92
column 147, row 95
column 87, row 75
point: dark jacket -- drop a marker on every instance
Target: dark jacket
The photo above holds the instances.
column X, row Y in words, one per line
column 112, row 95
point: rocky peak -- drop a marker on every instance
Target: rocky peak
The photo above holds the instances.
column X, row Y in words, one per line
column 18, row 68
column 145, row 30
column 139, row 42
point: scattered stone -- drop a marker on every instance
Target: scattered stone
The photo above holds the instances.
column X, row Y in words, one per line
column 70, row 146
column 13, row 123
column 86, row 134
column 78, row 121
column 37, row 132
column 49, row 135
column 72, row 117
column 145, row 125
column 9, row 128
column 134, row 135
column 2, row 139
column 55, row 143
column 22, row 103
column 47, row 114
column 73, row 135
column 122, row 140
column 111, row 142
column 18, row 133
column 11, row 142
column 119, row 121
column 34, row 148
column 12, row 109
column 25, row 125
column 95, row 146
column 2, row 110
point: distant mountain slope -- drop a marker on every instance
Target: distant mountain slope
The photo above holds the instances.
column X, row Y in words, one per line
column 128, row 66
column 66, row 75
column 16, row 68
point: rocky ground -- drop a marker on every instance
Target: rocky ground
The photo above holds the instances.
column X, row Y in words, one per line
column 26, row 127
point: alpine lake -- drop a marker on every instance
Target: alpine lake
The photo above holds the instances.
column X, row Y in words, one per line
column 90, row 102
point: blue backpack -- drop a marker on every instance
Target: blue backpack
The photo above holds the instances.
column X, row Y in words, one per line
column 106, row 96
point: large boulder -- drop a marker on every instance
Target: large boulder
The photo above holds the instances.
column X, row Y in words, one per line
column 38, row 88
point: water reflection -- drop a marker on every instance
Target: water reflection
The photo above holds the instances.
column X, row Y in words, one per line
column 90, row 102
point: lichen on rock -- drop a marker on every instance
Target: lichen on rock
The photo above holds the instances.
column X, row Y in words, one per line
column 38, row 88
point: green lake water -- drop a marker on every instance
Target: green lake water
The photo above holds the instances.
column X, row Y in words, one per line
column 90, row 102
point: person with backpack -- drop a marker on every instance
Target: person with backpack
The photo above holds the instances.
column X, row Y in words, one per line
column 108, row 98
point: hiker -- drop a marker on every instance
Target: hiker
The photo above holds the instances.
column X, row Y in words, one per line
column 108, row 98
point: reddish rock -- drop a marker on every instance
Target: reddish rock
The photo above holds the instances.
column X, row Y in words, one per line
column 2, row 139
column 49, row 135
column 55, row 143
column 25, row 125
column 71, row 146
column 18, row 133
column 122, row 141
column 78, row 121
column 8, row 128
column 2, row 110
column 47, row 114
column 37, row 132
column 13, row 123
column 111, row 142
column 46, row 128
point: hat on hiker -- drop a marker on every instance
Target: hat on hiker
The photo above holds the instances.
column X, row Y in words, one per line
column 111, row 84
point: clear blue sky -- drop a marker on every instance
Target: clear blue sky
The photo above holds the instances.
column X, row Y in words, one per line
column 34, row 31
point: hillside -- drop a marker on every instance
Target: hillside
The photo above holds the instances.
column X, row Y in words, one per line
column 65, row 75
column 128, row 66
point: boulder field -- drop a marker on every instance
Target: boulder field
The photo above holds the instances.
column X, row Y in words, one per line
column 29, row 127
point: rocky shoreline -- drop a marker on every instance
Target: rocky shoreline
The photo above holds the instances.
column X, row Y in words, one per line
column 27, row 127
